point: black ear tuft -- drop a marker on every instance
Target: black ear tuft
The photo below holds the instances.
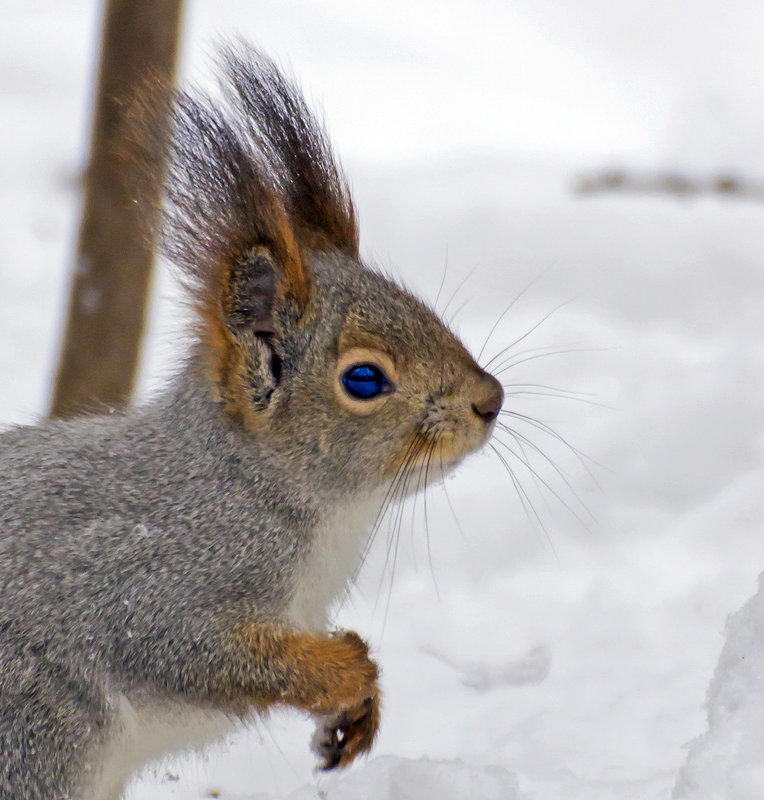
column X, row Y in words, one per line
column 317, row 197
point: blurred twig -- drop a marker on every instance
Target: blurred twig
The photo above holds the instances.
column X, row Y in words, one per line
column 669, row 183
column 114, row 255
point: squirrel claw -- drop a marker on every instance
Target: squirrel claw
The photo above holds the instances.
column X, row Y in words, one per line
column 340, row 738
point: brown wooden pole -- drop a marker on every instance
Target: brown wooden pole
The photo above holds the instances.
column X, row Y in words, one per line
column 115, row 251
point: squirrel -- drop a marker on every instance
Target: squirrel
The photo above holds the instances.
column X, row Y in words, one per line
column 168, row 570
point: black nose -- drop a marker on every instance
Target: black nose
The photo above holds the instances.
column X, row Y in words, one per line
column 490, row 397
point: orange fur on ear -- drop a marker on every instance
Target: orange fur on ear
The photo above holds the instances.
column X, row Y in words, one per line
column 296, row 277
column 230, row 316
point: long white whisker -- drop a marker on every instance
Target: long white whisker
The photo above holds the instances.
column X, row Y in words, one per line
column 506, row 311
column 544, row 482
column 520, row 439
column 527, row 333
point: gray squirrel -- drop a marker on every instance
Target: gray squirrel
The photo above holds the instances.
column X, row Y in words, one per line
column 168, row 570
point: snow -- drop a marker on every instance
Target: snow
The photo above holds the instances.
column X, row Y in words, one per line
column 726, row 761
column 565, row 661
column 407, row 779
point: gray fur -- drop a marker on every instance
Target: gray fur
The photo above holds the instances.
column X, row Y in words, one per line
column 108, row 523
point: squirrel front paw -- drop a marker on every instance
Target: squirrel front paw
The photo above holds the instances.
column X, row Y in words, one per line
column 335, row 672
column 329, row 675
column 340, row 738
column 348, row 718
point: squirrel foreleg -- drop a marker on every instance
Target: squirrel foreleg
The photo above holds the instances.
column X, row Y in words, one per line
column 329, row 675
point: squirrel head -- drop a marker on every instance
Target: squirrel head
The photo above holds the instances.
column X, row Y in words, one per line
column 323, row 362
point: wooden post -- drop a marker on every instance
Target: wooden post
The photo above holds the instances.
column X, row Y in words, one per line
column 115, row 253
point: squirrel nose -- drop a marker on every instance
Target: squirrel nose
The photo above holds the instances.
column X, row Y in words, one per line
column 490, row 397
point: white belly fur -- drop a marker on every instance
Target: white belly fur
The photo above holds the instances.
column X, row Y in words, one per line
column 140, row 735
column 332, row 562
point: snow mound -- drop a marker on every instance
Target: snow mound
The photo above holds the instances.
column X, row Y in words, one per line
column 390, row 778
column 726, row 761
column 532, row 668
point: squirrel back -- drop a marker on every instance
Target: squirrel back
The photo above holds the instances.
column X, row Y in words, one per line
column 181, row 557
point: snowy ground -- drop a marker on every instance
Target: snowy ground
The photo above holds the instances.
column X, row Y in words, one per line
column 559, row 663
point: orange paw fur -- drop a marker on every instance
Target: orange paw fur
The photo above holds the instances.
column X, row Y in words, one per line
column 329, row 675
column 319, row 673
column 335, row 672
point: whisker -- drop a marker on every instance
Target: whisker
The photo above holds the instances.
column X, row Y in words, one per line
column 384, row 507
column 528, row 332
column 530, row 511
column 545, row 483
column 414, row 498
column 397, row 499
column 557, row 395
column 430, row 454
column 520, row 439
column 509, row 363
column 580, row 456
column 549, row 348
column 550, row 388
column 397, row 543
column 453, row 295
column 534, row 477
column 405, row 483
column 392, row 526
column 448, row 497
column 507, row 310
column 442, row 283
column 450, row 322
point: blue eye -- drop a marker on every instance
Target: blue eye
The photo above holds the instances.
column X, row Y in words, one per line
column 364, row 381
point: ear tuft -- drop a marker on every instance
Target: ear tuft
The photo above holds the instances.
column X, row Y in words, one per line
column 222, row 200
column 253, row 170
column 277, row 118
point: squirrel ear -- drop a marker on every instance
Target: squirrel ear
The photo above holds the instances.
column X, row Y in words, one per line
column 251, row 189
column 260, row 278
column 242, row 334
column 225, row 219
column 226, row 226
column 248, row 304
